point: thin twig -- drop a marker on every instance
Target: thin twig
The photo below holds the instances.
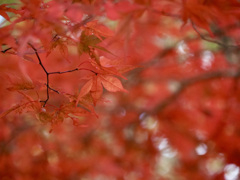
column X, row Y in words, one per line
column 211, row 40
column 51, row 73
column 76, row 69
column 62, row 72
column 4, row 51
column 53, row 89
column 46, row 72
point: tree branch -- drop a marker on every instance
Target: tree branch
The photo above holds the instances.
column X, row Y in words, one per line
column 76, row 69
column 63, row 72
column 193, row 80
column 50, row 73
column 46, row 72
column 211, row 40
column 4, row 51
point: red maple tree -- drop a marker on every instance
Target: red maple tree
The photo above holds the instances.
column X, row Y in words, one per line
column 125, row 89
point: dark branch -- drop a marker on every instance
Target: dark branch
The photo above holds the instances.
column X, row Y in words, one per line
column 76, row 69
column 193, row 80
column 62, row 72
column 4, row 51
column 46, row 72
column 50, row 73
column 39, row 60
column 53, row 90
column 211, row 40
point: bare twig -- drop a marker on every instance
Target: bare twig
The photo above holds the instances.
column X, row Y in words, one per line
column 4, row 51
column 46, row 72
column 76, row 69
column 63, row 72
column 51, row 73
column 211, row 40
column 52, row 89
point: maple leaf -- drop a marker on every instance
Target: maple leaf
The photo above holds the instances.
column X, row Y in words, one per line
column 85, row 89
column 61, row 44
column 96, row 90
column 91, row 36
column 115, row 67
column 20, row 83
column 111, row 83
column 99, row 30
column 86, row 42
column 30, row 106
column 91, row 91
column 93, row 87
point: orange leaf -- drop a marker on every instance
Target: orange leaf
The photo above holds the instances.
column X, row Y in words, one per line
column 85, row 89
column 99, row 29
column 111, row 83
column 97, row 89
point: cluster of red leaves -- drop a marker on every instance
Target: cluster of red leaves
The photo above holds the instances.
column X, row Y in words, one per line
column 57, row 25
column 62, row 63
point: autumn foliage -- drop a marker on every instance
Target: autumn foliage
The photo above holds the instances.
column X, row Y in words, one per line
column 125, row 89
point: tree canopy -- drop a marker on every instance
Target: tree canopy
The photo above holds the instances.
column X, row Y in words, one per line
column 119, row 89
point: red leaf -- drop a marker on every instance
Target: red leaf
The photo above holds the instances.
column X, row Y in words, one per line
column 85, row 89
column 99, row 29
column 97, row 89
column 111, row 83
